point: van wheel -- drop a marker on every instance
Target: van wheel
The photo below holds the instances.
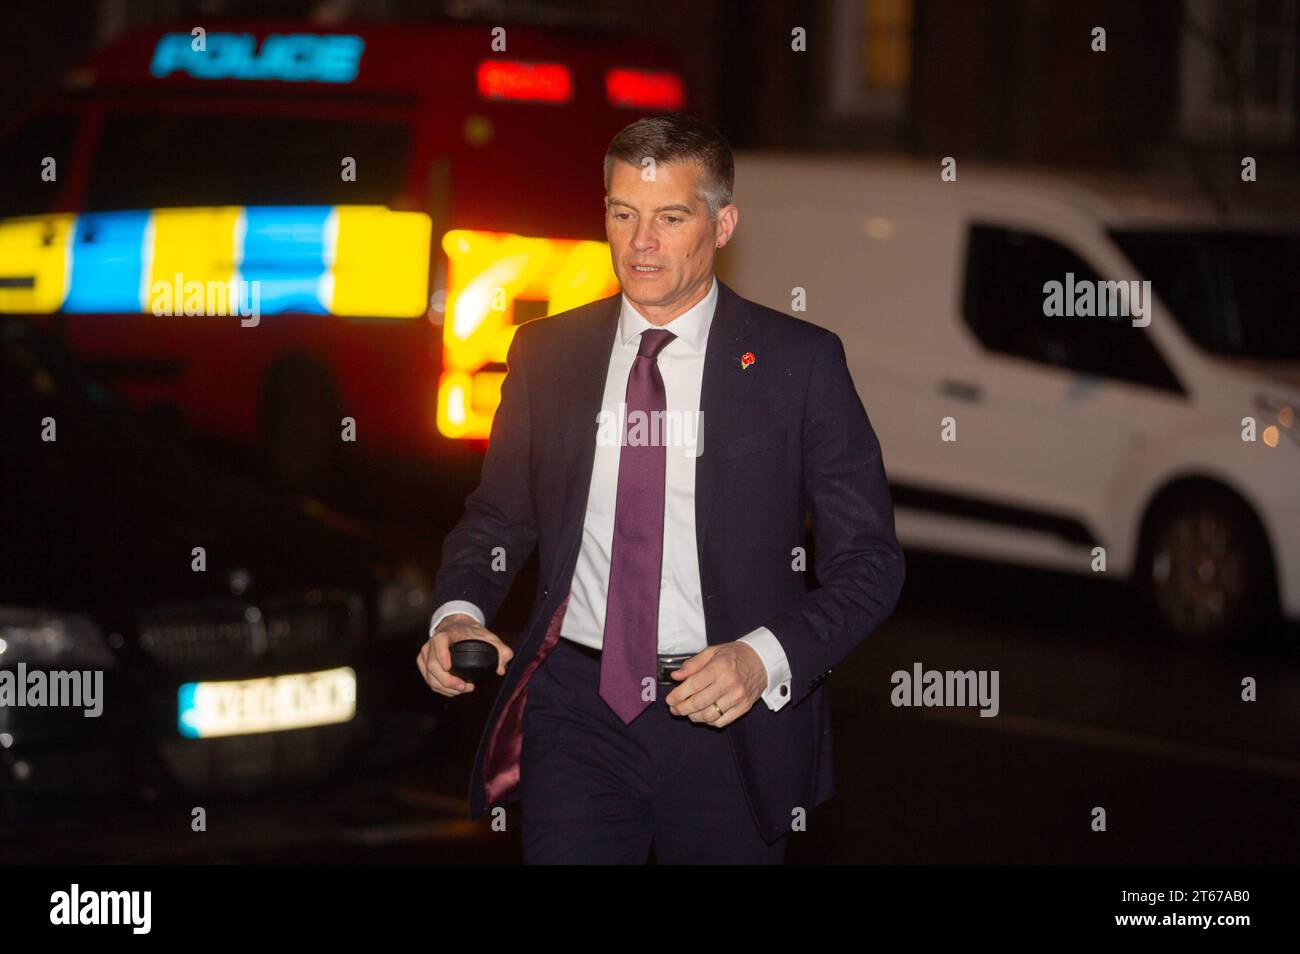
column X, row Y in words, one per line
column 1204, row 568
column 301, row 428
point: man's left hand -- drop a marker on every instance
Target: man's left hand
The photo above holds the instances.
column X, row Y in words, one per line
column 729, row 674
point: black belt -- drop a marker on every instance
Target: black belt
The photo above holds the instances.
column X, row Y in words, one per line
column 667, row 662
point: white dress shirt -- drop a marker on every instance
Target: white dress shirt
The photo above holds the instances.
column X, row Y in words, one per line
column 681, row 604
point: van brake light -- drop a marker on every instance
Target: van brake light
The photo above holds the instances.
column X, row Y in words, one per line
column 643, row 89
column 532, row 82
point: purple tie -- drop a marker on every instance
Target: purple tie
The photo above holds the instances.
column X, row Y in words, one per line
column 630, row 649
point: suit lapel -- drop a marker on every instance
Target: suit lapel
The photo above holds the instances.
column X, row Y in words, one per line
column 724, row 392
column 590, row 350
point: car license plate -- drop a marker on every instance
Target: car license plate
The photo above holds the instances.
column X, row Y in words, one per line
column 271, row 704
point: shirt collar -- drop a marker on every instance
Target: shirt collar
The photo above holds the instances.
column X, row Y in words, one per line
column 692, row 325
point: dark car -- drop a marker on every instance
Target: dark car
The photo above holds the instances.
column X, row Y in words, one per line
column 242, row 639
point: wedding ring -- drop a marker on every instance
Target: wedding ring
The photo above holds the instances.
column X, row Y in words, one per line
column 718, row 707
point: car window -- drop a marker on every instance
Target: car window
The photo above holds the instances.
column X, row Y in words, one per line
column 1232, row 292
column 1003, row 303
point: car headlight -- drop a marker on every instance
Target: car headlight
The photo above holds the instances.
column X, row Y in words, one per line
column 44, row 637
column 405, row 602
column 1280, row 416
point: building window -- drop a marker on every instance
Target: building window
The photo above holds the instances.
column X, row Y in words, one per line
column 1238, row 69
column 871, row 61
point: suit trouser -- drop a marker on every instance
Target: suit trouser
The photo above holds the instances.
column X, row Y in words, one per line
column 594, row 790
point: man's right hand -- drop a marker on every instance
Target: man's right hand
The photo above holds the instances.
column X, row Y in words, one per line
column 434, row 660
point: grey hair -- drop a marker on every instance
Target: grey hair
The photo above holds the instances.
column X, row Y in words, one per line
column 676, row 137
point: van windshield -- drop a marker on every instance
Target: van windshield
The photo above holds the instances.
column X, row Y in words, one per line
column 206, row 159
column 1231, row 292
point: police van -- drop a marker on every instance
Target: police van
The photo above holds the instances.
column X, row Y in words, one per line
column 282, row 233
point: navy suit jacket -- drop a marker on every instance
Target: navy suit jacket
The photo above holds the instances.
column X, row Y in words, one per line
column 782, row 438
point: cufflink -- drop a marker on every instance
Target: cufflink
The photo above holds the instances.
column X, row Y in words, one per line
column 785, row 690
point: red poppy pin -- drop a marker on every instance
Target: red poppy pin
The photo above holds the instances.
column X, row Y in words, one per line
column 746, row 360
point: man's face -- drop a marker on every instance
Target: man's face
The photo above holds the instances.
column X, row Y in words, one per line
column 661, row 238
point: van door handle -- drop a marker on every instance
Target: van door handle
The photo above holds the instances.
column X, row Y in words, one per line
column 962, row 390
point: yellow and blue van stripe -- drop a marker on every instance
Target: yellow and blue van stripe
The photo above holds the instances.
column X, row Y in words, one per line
column 326, row 260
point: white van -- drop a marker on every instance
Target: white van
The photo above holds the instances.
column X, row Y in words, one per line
column 1015, row 428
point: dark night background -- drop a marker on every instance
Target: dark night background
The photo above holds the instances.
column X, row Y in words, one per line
column 1097, row 708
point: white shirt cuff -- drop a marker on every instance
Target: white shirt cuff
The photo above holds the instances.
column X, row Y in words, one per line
column 452, row 607
column 764, row 642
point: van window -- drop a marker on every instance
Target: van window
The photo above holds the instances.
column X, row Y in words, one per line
column 1006, row 270
column 1231, row 292
column 205, row 159
column 23, row 189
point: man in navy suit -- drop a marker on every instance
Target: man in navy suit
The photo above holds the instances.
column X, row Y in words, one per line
column 663, row 449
